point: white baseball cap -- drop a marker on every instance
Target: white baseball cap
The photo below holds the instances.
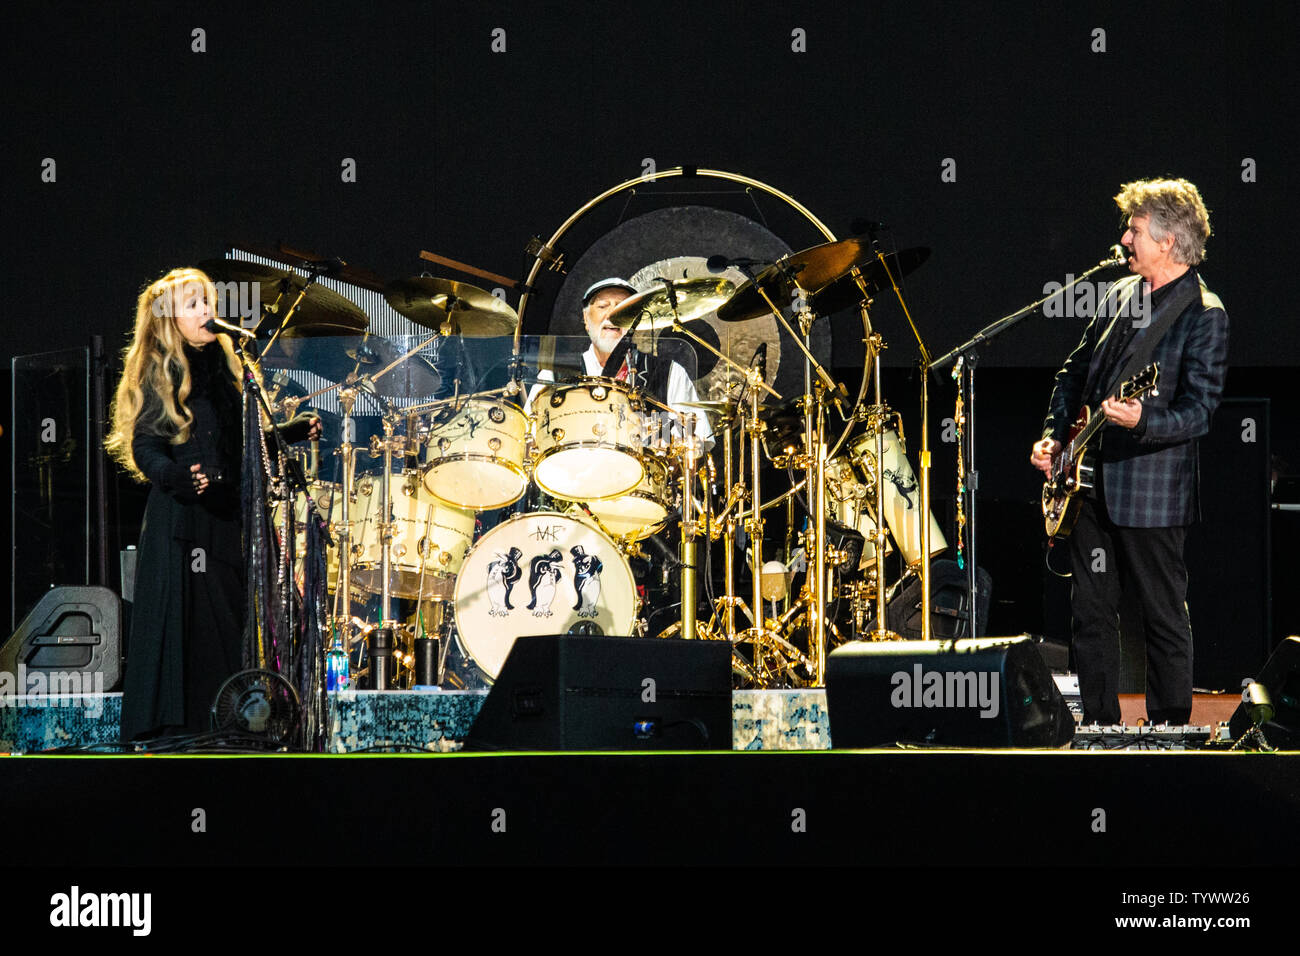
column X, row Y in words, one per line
column 611, row 283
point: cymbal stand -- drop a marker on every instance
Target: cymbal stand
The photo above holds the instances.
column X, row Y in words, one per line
column 877, row 415
column 343, row 534
column 386, row 446
column 773, row 655
column 725, row 522
column 817, row 385
column 924, row 568
column 690, row 528
column 814, row 421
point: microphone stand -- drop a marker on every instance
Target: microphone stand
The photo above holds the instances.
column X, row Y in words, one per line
column 967, row 352
column 291, row 473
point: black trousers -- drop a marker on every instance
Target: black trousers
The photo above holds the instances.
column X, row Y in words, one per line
column 1108, row 561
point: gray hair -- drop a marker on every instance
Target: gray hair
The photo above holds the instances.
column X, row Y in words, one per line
column 1173, row 206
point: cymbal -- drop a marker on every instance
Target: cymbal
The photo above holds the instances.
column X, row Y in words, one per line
column 810, row 269
column 321, row 312
column 449, row 307
column 786, row 416
column 336, row 359
column 696, row 298
column 844, row 293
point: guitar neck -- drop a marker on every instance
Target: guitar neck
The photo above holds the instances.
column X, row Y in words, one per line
column 1095, row 421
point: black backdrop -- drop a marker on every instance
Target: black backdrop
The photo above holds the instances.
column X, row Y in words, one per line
column 165, row 155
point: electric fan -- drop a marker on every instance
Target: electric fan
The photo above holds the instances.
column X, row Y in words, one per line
column 259, row 703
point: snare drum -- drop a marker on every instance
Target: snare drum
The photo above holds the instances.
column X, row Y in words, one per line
column 421, row 526
column 540, row 573
column 902, row 497
column 644, row 510
column 588, row 440
column 475, row 454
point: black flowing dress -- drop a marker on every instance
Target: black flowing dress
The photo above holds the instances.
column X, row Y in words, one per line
column 188, row 616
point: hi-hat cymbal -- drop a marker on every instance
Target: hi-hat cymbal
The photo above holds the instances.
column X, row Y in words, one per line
column 321, row 312
column 845, row 293
column 810, row 269
column 726, row 408
column 695, row 298
column 449, row 307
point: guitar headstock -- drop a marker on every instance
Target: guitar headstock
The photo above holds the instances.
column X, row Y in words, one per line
column 1143, row 382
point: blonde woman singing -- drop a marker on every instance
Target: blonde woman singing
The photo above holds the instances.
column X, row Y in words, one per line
column 177, row 424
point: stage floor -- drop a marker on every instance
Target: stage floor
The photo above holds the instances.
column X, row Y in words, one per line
column 889, row 807
column 438, row 721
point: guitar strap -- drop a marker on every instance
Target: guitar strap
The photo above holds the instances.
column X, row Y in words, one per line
column 1145, row 342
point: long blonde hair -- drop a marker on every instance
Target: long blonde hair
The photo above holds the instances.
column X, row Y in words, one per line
column 153, row 362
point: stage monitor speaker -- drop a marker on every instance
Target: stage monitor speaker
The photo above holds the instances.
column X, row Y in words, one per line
column 578, row 692
column 949, row 604
column 1281, row 675
column 71, row 630
column 986, row 692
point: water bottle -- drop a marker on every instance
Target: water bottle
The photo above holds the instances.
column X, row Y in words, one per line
column 337, row 676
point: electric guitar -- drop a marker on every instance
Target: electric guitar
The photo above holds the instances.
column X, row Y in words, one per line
column 1073, row 468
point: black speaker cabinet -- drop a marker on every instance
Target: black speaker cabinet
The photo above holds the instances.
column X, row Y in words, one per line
column 572, row 692
column 71, row 630
column 987, row 692
column 1281, row 675
column 949, row 604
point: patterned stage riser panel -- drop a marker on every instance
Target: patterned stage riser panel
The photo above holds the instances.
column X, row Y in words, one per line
column 427, row 720
column 33, row 724
column 779, row 720
column 438, row 720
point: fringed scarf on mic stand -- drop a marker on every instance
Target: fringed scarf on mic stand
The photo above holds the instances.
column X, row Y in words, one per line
column 261, row 642
column 275, row 637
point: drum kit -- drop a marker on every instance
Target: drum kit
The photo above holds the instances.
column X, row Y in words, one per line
column 540, row 507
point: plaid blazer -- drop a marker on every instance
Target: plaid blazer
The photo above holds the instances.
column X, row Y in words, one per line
column 1149, row 474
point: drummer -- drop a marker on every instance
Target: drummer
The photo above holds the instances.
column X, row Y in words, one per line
column 662, row 379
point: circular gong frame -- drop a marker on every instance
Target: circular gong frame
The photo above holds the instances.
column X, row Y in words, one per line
column 679, row 171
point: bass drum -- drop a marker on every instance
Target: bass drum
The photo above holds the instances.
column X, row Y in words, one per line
column 540, row 573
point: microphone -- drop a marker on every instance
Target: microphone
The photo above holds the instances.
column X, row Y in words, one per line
column 719, row 263
column 216, row 326
column 1118, row 256
column 760, row 360
column 672, row 293
column 870, row 226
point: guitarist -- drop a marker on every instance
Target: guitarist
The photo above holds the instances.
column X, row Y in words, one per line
column 1131, row 527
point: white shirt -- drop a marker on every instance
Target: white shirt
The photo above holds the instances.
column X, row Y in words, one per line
column 680, row 389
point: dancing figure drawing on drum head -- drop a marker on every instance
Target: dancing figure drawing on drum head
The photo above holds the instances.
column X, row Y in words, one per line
column 543, row 576
column 501, row 577
column 586, row 581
